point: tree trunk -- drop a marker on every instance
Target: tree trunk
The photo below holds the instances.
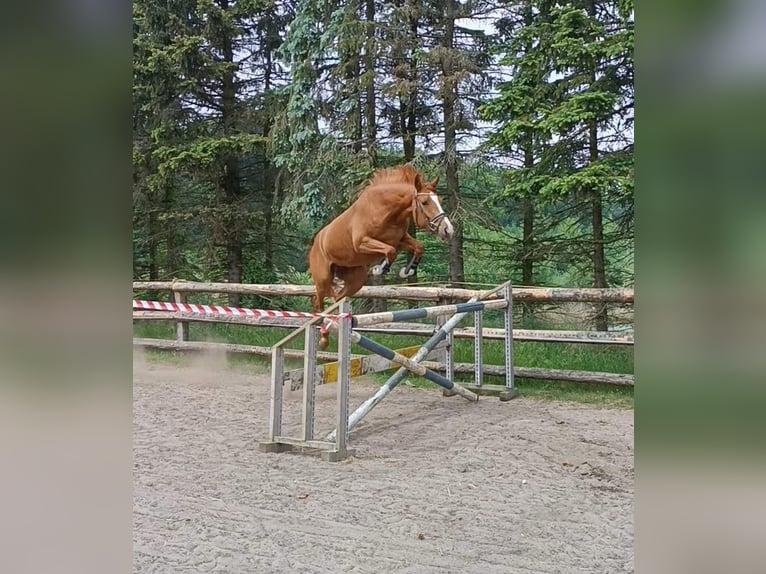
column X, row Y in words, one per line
column 350, row 57
column 354, row 69
column 408, row 99
column 369, row 65
column 528, row 203
column 230, row 182
column 408, row 105
column 270, row 179
column 266, row 251
column 152, row 245
column 172, row 248
column 405, row 71
column 232, row 231
column 599, row 261
column 527, row 258
column 456, row 263
column 371, row 131
column 527, row 239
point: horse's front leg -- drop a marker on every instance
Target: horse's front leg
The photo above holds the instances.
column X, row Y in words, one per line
column 409, row 243
column 381, row 268
column 371, row 246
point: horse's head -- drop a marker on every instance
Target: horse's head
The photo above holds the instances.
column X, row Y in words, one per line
column 427, row 209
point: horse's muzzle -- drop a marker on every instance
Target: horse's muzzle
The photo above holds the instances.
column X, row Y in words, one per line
column 445, row 229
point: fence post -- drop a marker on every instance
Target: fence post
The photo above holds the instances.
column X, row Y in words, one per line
column 309, row 382
column 342, row 387
column 182, row 327
column 510, row 388
column 275, row 402
column 445, row 354
column 478, row 355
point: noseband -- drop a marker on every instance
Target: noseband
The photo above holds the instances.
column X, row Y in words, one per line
column 432, row 223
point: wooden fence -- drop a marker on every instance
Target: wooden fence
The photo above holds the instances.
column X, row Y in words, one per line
column 179, row 290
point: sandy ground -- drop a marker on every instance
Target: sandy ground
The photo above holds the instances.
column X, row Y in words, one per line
column 437, row 485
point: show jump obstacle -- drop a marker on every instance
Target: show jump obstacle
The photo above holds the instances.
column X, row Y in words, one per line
column 342, row 322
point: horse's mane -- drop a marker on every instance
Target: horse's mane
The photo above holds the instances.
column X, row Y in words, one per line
column 399, row 174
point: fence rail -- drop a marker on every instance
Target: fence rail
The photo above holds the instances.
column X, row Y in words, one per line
column 537, row 373
column 407, row 329
column 400, row 292
column 179, row 289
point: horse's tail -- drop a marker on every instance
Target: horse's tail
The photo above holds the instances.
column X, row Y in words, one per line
column 312, row 243
column 308, row 251
column 314, row 237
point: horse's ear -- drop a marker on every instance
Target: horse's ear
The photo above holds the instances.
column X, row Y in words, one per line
column 435, row 182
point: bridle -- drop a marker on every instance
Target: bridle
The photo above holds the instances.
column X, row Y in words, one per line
column 432, row 223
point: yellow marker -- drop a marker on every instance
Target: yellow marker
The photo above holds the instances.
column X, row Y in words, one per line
column 407, row 352
column 357, row 364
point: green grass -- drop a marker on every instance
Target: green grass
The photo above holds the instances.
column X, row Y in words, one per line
column 610, row 359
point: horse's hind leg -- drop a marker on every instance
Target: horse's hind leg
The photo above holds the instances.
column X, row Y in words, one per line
column 339, row 278
column 321, row 275
column 324, row 289
column 353, row 279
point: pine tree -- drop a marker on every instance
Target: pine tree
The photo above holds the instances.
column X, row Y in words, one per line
column 208, row 132
column 159, row 119
column 570, row 103
column 461, row 58
column 320, row 134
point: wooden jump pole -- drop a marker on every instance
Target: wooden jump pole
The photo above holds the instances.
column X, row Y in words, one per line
column 412, row 366
column 474, row 305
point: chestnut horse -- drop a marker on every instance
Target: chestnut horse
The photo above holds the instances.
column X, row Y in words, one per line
column 373, row 229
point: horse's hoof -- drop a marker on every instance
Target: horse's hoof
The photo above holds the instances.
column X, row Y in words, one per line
column 377, row 270
column 403, row 273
